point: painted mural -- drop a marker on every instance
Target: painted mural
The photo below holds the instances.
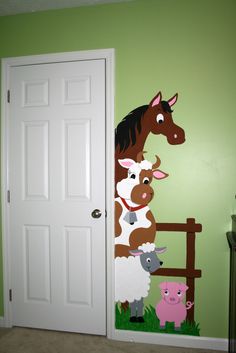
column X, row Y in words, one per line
column 137, row 257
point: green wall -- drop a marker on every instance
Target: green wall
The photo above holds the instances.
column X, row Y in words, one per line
column 183, row 46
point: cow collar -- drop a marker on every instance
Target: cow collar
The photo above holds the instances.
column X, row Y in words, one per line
column 130, row 208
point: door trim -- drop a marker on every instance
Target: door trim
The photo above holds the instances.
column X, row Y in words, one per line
column 109, row 56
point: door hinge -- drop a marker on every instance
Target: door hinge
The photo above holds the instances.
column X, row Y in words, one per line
column 10, row 295
column 8, row 96
column 8, row 196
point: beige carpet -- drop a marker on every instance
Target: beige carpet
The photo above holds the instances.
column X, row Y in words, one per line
column 22, row 340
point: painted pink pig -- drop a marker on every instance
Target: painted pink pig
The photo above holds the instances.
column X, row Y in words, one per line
column 171, row 308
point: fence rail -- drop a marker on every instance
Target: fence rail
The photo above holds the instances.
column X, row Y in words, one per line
column 190, row 228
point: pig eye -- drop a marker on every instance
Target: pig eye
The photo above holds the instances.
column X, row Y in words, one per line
column 179, row 293
column 146, row 180
column 166, row 292
column 148, row 260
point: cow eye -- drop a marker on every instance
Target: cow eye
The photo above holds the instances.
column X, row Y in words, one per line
column 160, row 118
column 146, row 180
column 166, row 292
column 132, row 176
column 179, row 293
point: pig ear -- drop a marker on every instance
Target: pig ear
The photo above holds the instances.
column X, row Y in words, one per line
column 163, row 285
column 156, row 100
column 160, row 250
column 158, row 174
column 184, row 287
column 135, row 252
column 173, row 100
column 126, row 162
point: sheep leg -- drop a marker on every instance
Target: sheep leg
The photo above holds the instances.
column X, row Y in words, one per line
column 136, row 311
column 139, row 306
column 133, row 311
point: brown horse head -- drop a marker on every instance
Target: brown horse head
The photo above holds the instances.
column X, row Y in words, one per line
column 160, row 119
column 131, row 133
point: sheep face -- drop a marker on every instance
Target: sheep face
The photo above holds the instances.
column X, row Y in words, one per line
column 148, row 256
column 150, row 262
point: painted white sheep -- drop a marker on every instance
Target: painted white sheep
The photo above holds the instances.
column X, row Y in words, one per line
column 132, row 277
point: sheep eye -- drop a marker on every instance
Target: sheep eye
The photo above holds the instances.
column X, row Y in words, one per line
column 148, row 260
column 160, row 118
column 146, row 180
column 166, row 292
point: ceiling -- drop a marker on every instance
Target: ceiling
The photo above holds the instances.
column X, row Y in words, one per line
column 12, row 7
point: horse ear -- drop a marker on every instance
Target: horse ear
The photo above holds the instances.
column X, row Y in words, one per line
column 173, row 100
column 156, row 100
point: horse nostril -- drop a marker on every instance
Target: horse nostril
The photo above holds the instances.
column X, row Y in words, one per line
column 161, row 263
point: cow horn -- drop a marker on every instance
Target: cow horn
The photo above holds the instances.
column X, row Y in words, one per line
column 140, row 157
column 157, row 163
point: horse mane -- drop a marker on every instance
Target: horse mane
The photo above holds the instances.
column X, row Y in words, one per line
column 126, row 129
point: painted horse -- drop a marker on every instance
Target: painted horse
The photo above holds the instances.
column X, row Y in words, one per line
column 132, row 132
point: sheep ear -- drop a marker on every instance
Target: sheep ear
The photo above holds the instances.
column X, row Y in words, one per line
column 135, row 252
column 160, row 250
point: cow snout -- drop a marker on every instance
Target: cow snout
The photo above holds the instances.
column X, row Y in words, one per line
column 142, row 194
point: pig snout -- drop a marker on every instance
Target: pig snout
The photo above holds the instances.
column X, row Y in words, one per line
column 172, row 299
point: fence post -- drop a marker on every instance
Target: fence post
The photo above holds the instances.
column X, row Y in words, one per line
column 190, row 265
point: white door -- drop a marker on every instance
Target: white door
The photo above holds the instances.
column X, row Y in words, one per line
column 57, row 178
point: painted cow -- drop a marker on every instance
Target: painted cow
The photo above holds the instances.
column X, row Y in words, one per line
column 134, row 222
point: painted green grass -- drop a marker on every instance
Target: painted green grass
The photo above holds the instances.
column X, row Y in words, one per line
column 151, row 323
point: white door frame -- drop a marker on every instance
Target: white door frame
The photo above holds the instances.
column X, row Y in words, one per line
column 109, row 56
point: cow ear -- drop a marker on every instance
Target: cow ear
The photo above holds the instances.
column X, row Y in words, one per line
column 173, row 100
column 135, row 252
column 156, row 100
column 126, row 162
column 158, row 174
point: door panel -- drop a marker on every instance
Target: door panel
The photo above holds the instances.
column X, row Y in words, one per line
column 57, row 178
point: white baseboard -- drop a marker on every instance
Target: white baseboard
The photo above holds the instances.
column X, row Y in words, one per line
column 2, row 321
column 220, row 344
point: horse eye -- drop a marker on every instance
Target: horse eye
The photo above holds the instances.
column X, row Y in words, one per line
column 145, row 180
column 160, row 118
